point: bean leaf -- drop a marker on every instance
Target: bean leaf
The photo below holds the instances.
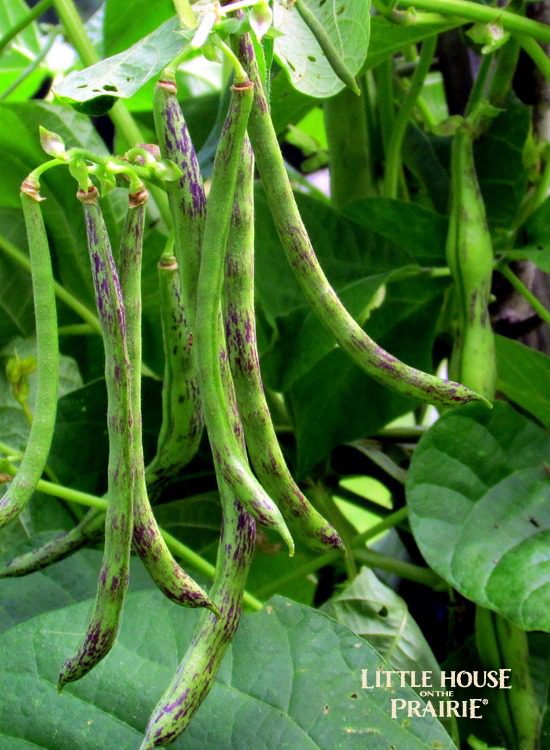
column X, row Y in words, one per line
column 123, row 74
column 479, row 500
column 346, row 22
column 291, row 679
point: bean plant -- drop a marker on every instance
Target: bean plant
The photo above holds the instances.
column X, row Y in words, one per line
column 275, row 372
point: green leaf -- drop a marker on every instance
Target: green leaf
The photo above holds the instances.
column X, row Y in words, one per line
column 335, row 402
column 125, row 24
column 123, row 74
column 387, row 38
column 375, row 612
column 521, row 374
column 536, row 237
column 479, row 501
column 418, row 231
column 288, row 644
column 347, row 23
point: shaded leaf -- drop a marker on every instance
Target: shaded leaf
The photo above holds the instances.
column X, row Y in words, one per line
column 479, row 501
column 375, row 612
column 521, row 375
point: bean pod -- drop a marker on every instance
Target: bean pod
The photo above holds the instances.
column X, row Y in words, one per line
column 240, row 332
column 148, row 542
column 34, row 460
column 366, row 353
column 113, row 577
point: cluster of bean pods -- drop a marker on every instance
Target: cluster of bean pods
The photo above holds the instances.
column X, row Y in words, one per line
column 212, row 378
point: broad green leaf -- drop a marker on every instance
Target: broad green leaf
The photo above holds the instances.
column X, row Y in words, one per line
column 479, row 501
column 536, row 238
column 123, row 74
column 126, row 23
column 335, row 402
column 375, row 612
column 420, row 232
column 267, row 695
column 386, row 38
column 522, row 375
column 194, row 520
column 347, row 23
column 427, row 156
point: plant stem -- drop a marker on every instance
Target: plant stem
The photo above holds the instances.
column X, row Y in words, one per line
column 76, row 329
column 536, row 53
column 393, row 156
column 526, row 293
column 324, row 502
column 406, row 570
column 29, row 70
column 330, row 557
column 483, row 14
column 24, row 21
column 348, row 140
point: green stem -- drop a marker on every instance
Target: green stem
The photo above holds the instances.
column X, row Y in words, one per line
column 526, row 293
column 483, row 14
column 76, row 329
column 393, row 157
column 348, row 140
column 24, row 21
column 536, row 53
column 405, row 570
column 121, row 118
column 478, row 89
column 331, row 557
column 29, row 70
column 324, row 501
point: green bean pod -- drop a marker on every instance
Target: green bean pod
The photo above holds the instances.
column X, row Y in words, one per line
column 470, row 258
column 196, row 673
column 366, row 353
column 240, row 332
column 148, row 542
column 186, row 196
column 38, row 445
column 113, row 578
column 182, row 421
column 228, row 455
column 56, row 549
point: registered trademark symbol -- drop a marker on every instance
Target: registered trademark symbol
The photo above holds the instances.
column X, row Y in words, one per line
column 485, row 701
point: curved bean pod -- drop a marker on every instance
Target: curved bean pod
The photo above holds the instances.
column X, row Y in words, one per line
column 113, row 578
column 366, row 353
column 182, row 421
column 240, row 332
column 57, row 549
column 148, row 542
column 228, row 455
column 470, row 258
column 34, row 460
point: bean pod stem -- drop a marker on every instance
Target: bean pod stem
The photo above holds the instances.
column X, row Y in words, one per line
column 113, row 577
column 148, row 542
column 240, row 333
column 366, row 353
column 34, row 460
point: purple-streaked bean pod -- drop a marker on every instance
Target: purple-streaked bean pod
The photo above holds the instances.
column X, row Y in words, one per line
column 366, row 353
column 182, row 422
column 196, row 673
column 229, row 458
column 20, row 489
column 113, row 577
column 240, row 333
column 171, row 579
